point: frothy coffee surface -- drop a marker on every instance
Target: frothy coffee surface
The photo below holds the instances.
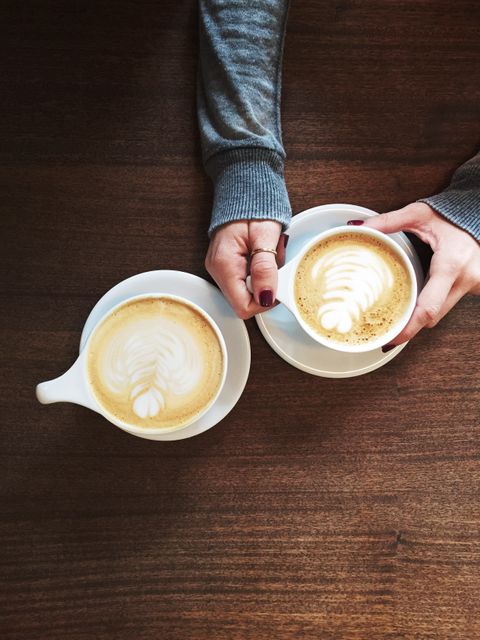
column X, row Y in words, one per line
column 351, row 289
column 155, row 363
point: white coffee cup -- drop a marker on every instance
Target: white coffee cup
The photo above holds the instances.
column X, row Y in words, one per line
column 75, row 386
column 286, row 286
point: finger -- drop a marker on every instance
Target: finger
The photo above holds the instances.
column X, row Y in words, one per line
column 235, row 291
column 263, row 266
column 229, row 273
column 406, row 219
column 456, row 294
column 281, row 250
column 430, row 305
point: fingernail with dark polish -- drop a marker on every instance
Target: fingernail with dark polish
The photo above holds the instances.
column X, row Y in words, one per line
column 266, row 298
column 355, row 223
column 388, row 347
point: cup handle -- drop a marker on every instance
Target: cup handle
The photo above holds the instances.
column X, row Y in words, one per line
column 283, row 284
column 284, row 275
column 69, row 387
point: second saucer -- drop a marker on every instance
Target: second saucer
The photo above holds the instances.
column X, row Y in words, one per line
column 281, row 329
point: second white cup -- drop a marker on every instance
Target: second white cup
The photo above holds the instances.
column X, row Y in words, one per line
column 359, row 276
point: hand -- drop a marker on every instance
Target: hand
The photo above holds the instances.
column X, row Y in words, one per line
column 228, row 259
column 454, row 269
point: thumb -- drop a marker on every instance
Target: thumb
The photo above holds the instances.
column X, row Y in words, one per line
column 405, row 219
column 264, row 234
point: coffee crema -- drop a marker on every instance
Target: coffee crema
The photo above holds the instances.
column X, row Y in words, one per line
column 155, row 363
column 351, row 289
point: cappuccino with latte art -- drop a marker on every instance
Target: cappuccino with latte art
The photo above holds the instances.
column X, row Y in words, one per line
column 351, row 289
column 155, row 362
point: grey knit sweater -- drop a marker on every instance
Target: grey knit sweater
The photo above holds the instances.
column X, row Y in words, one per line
column 238, row 107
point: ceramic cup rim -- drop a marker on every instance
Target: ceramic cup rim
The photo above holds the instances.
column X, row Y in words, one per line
column 134, row 429
column 353, row 230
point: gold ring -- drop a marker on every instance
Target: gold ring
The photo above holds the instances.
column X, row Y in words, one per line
column 263, row 250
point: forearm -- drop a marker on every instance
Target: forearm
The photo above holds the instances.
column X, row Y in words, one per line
column 238, row 106
column 460, row 201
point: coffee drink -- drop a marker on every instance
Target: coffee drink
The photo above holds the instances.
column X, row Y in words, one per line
column 351, row 289
column 155, row 362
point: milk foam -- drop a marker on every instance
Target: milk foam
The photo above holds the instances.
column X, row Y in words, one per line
column 155, row 362
column 353, row 281
column 351, row 289
column 149, row 360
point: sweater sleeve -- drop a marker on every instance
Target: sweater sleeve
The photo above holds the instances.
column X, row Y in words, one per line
column 460, row 201
column 238, row 106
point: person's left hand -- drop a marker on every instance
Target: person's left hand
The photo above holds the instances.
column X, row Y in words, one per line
column 454, row 269
column 228, row 261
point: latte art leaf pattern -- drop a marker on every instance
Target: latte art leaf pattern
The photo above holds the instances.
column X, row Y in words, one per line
column 158, row 359
column 353, row 281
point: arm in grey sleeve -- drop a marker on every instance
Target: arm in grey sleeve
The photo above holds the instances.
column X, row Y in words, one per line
column 238, row 106
column 460, row 201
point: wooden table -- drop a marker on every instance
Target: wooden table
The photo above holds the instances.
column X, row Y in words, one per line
column 319, row 508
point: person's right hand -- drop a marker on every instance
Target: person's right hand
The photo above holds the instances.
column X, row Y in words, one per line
column 454, row 269
column 228, row 260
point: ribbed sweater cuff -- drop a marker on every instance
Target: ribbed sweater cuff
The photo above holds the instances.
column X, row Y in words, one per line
column 460, row 207
column 249, row 185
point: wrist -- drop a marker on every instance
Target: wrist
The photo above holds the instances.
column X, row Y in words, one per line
column 249, row 185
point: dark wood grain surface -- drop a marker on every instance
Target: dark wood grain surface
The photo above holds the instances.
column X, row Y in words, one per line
column 319, row 508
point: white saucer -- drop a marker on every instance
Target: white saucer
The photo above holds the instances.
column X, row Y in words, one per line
column 282, row 331
column 209, row 298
